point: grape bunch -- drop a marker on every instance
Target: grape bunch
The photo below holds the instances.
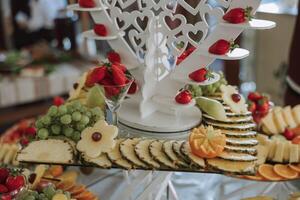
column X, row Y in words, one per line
column 48, row 193
column 67, row 120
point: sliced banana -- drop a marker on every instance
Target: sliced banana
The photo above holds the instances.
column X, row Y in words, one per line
column 186, row 151
column 115, row 156
column 142, row 151
column 127, row 151
column 156, row 151
column 168, row 149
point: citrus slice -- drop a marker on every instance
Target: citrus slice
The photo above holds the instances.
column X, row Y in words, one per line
column 255, row 178
column 285, row 171
column 266, row 171
column 295, row 167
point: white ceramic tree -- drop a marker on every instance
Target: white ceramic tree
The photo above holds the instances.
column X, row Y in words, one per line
column 148, row 43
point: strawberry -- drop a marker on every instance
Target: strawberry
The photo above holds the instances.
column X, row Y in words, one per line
column 107, row 81
column 133, row 88
column 4, row 173
column 185, row 54
column 113, row 57
column 112, row 91
column 30, row 131
column 119, row 77
column 252, row 107
column 15, row 182
column 120, row 66
column 95, row 76
column 200, row 75
column 238, row 15
column 263, row 105
column 254, row 96
column 288, row 134
column 3, row 189
column 184, row 97
column 100, row 29
column 24, row 142
column 87, row 3
column 221, row 47
column 58, row 101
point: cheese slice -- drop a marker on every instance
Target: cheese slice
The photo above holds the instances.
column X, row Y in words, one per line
column 269, row 123
column 279, row 119
column 288, row 117
column 296, row 114
column 156, row 150
column 279, row 152
column 286, row 153
column 294, row 153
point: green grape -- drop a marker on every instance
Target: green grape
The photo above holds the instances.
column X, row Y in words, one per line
column 97, row 111
column 43, row 133
column 84, row 120
column 39, row 124
column 76, row 136
column 76, row 116
column 70, row 108
column 77, row 105
column 55, row 129
column 59, row 191
column 80, row 126
column 52, row 111
column 46, row 120
column 62, row 109
column 89, row 114
column 49, row 192
column 35, row 194
column 83, row 109
column 68, row 131
column 66, row 119
column 29, row 197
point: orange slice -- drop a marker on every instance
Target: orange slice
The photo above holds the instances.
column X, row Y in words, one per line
column 255, row 178
column 266, row 171
column 285, row 171
column 86, row 195
column 295, row 167
column 77, row 190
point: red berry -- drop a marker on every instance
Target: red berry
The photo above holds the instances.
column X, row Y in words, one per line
column 15, row 182
column 4, row 173
column 221, row 47
column 263, row 105
column 3, row 189
column 238, row 15
column 113, row 57
column 112, row 91
column 6, row 197
column 254, row 96
column 119, row 77
column 95, row 76
column 30, row 131
column 199, row 75
column 58, row 101
column 133, row 88
column 185, row 54
column 184, row 97
column 288, row 134
column 96, row 136
column 120, row 66
column 24, row 142
column 87, row 3
column 100, row 29
column 257, row 116
column 236, row 97
column 252, row 107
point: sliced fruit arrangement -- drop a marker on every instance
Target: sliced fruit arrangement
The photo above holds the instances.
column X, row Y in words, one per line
column 281, row 119
column 259, row 105
column 8, row 153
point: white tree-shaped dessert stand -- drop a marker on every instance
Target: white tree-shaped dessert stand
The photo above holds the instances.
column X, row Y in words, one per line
column 149, row 45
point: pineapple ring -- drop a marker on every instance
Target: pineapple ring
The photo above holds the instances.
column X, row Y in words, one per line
column 285, row 171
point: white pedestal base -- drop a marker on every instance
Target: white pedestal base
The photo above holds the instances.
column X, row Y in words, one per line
column 158, row 124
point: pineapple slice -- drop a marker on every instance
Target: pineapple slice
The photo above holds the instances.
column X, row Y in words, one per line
column 168, row 149
column 288, row 117
column 269, row 123
column 52, row 151
column 296, row 114
column 237, row 107
column 176, row 148
column 142, row 151
column 279, row 119
column 186, row 151
column 294, row 153
column 100, row 161
column 116, row 157
column 156, row 150
column 76, row 91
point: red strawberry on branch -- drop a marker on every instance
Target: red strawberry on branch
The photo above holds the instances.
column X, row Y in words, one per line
column 119, row 77
column 100, row 29
column 254, row 96
column 133, row 88
column 3, row 189
column 95, row 76
column 6, row 197
column 238, row 15
column 113, row 57
column 221, row 47
column 24, row 142
column 87, row 3
column 15, row 182
column 58, row 101
column 111, row 91
column 4, row 173
column 200, row 75
column 184, row 97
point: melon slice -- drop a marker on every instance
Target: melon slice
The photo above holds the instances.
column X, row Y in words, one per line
column 115, row 156
column 168, row 149
column 246, row 150
column 296, row 114
column 156, row 151
column 232, row 156
column 269, row 123
column 127, row 151
column 241, row 142
column 142, row 151
column 186, row 151
column 288, row 117
column 279, row 119
column 234, row 127
column 52, row 151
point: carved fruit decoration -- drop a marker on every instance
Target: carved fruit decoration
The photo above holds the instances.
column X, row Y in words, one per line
column 206, row 142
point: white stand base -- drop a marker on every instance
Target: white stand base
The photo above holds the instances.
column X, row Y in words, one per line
column 158, row 124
